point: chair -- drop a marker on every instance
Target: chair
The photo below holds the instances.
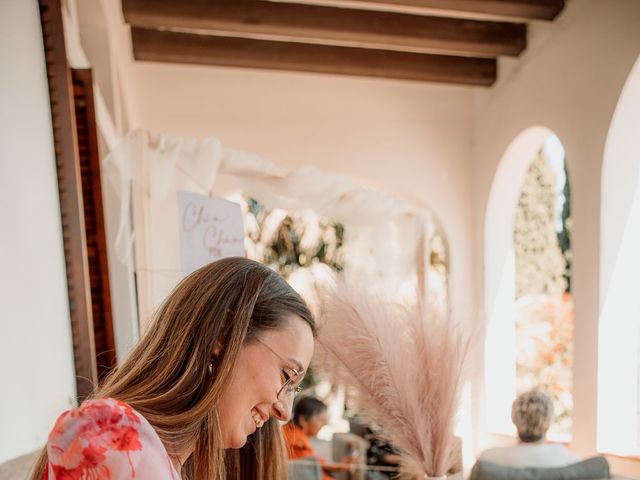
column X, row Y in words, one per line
column 345, row 444
column 18, row 468
column 589, row 469
column 305, row 469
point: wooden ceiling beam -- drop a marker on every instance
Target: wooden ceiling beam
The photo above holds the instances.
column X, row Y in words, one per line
column 500, row 9
column 302, row 23
column 178, row 47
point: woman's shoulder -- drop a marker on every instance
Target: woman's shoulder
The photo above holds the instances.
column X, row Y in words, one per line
column 102, row 409
column 297, row 442
column 105, row 421
column 293, row 433
column 105, row 438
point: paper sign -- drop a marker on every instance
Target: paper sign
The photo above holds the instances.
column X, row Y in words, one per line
column 210, row 228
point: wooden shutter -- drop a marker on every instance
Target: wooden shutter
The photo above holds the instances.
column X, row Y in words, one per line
column 94, row 225
column 84, row 241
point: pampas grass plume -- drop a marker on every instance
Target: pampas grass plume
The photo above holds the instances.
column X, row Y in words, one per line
column 405, row 368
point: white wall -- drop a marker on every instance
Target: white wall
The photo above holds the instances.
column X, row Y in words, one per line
column 36, row 362
column 406, row 138
column 569, row 83
column 619, row 340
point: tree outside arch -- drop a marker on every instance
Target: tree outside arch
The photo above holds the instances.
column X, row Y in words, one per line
column 544, row 306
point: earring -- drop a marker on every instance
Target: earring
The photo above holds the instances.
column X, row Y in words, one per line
column 210, row 368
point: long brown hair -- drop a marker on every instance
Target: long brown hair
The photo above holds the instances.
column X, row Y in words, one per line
column 173, row 379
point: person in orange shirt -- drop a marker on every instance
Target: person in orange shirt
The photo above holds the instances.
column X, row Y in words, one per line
column 309, row 416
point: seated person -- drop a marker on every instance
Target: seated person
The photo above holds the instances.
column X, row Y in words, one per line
column 309, row 416
column 531, row 413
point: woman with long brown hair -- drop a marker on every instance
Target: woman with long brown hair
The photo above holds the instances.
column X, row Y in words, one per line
column 201, row 394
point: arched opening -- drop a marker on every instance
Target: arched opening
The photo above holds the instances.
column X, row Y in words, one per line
column 619, row 327
column 544, row 305
column 526, row 279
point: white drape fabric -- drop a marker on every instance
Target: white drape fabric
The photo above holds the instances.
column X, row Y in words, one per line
column 385, row 236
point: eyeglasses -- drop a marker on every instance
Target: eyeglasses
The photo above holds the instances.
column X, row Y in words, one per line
column 290, row 381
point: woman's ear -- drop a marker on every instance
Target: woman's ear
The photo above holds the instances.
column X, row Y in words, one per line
column 217, row 348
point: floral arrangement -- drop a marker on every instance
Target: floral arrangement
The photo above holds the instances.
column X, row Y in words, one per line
column 288, row 241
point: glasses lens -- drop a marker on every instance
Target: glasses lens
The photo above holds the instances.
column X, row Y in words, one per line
column 290, row 388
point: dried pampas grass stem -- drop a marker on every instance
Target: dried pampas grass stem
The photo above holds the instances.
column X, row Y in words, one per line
column 406, row 372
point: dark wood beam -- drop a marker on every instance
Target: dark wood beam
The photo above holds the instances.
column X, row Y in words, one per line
column 331, row 25
column 506, row 9
column 164, row 46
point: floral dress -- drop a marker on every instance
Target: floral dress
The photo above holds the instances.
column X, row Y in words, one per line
column 106, row 439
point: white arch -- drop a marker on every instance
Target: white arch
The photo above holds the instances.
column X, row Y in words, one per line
column 618, row 342
column 499, row 263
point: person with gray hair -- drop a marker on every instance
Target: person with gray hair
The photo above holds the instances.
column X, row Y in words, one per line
column 531, row 413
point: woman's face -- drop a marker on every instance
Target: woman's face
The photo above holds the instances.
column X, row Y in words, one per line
column 252, row 395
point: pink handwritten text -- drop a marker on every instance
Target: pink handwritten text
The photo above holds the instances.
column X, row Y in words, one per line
column 195, row 215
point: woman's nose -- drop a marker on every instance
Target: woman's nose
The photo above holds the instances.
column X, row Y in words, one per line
column 281, row 411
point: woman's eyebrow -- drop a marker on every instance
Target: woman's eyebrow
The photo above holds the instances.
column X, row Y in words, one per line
column 298, row 365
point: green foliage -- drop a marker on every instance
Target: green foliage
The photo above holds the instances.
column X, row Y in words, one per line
column 564, row 235
column 540, row 263
column 544, row 307
column 298, row 241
